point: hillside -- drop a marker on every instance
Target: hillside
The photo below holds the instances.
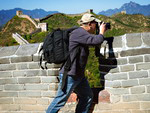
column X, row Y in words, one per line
column 16, row 24
column 60, row 20
column 120, row 24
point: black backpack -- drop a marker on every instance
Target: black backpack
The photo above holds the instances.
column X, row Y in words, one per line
column 56, row 49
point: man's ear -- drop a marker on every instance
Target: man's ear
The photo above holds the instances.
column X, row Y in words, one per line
column 89, row 23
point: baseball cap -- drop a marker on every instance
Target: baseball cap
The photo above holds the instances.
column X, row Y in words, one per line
column 88, row 18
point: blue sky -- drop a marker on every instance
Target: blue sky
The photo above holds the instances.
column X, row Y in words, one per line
column 67, row 6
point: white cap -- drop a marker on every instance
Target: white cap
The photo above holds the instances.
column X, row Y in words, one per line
column 88, row 18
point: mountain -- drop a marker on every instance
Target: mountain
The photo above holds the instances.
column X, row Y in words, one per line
column 6, row 15
column 130, row 8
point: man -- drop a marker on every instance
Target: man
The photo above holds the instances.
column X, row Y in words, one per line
column 82, row 37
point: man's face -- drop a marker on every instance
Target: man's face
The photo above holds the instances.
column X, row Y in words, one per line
column 93, row 26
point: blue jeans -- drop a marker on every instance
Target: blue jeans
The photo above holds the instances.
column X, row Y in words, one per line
column 80, row 87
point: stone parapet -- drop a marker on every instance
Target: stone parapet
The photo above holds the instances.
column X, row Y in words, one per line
column 125, row 71
column 24, row 86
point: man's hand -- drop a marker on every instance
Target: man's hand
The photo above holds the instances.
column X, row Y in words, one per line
column 102, row 28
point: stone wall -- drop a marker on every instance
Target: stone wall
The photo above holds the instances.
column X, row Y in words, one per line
column 42, row 26
column 24, row 87
column 129, row 82
column 125, row 71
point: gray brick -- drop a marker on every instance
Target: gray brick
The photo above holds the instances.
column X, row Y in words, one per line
column 138, row 90
column 49, row 66
column 136, row 97
column 145, row 106
column 6, row 67
column 121, row 61
column 140, row 111
column 34, row 108
column 28, row 49
column 4, row 61
column 43, row 101
column 19, row 73
column 36, row 87
column 36, row 58
column 131, row 40
column 49, row 79
column 8, row 94
column 9, row 108
column 34, row 65
column 54, row 72
column 8, row 51
column 21, row 59
column 135, row 59
column 144, row 81
column 129, row 83
column 117, row 43
column 114, row 84
column 14, row 87
column 114, row 98
column 118, row 91
column 138, row 74
column 8, row 81
column 30, row 94
column 1, row 88
column 143, row 66
column 6, row 100
column 50, row 94
column 24, row 100
column 30, row 73
column 53, row 86
column 133, row 52
column 29, row 80
column 146, row 38
column 36, row 73
column 147, row 58
column 22, row 66
column 148, row 88
column 116, row 76
column 127, row 68
column 122, row 107
column 4, row 74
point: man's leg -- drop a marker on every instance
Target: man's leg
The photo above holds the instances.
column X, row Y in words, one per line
column 61, row 97
column 85, row 96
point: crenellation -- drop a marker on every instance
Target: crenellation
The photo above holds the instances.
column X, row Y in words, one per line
column 131, row 40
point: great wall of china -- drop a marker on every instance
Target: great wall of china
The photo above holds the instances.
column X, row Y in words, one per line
column 25, row 88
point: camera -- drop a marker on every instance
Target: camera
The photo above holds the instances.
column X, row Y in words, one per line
column 108, row 26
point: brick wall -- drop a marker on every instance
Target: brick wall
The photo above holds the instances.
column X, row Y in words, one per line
column 24, row 87
column 125, row 71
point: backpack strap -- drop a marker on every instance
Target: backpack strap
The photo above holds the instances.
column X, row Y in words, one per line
column 41, row 58
column 67, row 67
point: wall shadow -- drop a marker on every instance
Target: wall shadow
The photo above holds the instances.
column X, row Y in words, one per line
column 106, row 63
